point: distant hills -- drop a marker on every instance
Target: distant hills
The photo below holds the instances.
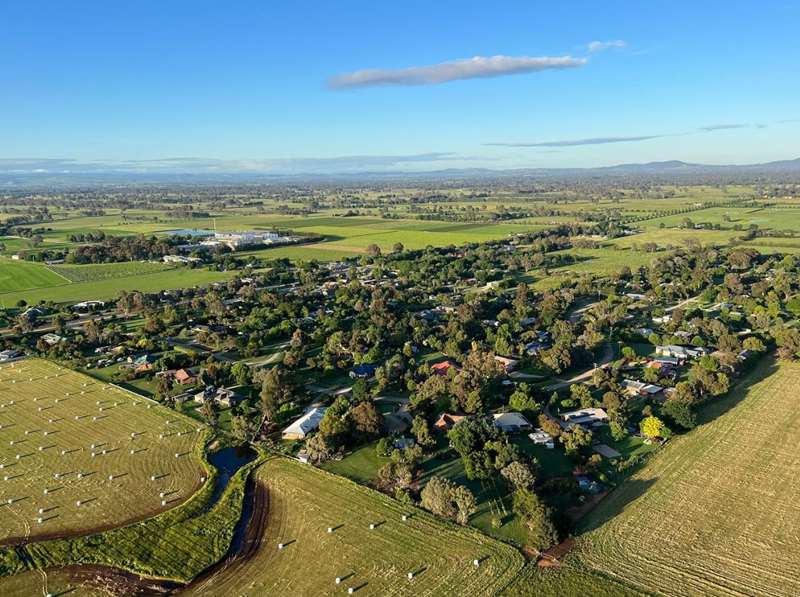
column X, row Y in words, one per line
column 664, row 171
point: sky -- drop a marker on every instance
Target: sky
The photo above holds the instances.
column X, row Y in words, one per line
column 373, row 86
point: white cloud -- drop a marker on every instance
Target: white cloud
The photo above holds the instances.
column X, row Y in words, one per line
column 723, row 127
column 351, row 163
column 599, row 46
column 577, row 142
column 471, row 68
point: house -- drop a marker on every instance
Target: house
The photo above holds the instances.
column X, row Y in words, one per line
column 226, row 397
column 363, row 371
column 183, row 397
column 7, row 355
column 52, row 339
column 606, row 451
column 587, row 484
column 143, row 363
column 674, row 351
column 442, row 368
column 583, row 416
column 222, row 396
column 640, row 388
column 403, row 443
column 184, row 377
column 447, row 421
column 88, row 305
column 511, row 422
column 506, row 363
column 664, row 362
column 683, row 353
column 541, row 437
column 535, row 347
column 304, row 425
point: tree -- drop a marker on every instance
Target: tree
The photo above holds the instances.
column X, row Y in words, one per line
column 680, row 412
column 276, row 390
column 537, row 518
column 522, row 401
column 241, row 373
column 394, row 476
column 558, row 358
column 421, row 431
column 465, row 503
column 243, row 428
column 319, row 448
column 754, row 344
column 576, row 438
column 373, row 250
column 653, row 427
column 581, row 394
column 210, row 413
column 450, row 500
column 519, row 475
column 398, row 247
column 367, row 421
column 549, row 425
column 480, row 446
column 163, row 387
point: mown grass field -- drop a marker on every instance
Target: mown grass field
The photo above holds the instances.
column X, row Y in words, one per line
column 22, row 275
column 303, row 502
column 567, row 581
column 103, row 271
column 53, row 418
column 716, row 512
column 110, row 287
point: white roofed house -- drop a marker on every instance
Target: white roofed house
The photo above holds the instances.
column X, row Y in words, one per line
column 640, row 388
column 541, row 437
column 507, row 364
column 306, row 424
column 583, row 416
column 511, row 422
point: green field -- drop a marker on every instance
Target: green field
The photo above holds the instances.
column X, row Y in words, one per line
column 104, row 271
column 715, row 512
column 41, row 422
column 23, row 275
column 110, row 287
column 304, row 502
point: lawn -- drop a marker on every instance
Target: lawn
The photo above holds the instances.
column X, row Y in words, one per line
column 362, row 465
column 103, row 271
column 107, row 288
column 25, row 275
column 39, row 403
column 715, row 512
column 304, row 502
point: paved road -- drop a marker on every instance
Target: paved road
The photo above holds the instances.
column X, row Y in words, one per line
column 605, row 360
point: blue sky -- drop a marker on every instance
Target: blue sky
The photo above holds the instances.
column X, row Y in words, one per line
column 271, row 85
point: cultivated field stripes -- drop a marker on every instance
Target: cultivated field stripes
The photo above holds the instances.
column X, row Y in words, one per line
column 305, row 502
column 719, row 514
column 77, row 455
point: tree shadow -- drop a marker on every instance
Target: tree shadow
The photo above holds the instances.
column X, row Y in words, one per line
column 716, row 407
column 613, row 504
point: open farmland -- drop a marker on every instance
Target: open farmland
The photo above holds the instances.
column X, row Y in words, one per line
column 21, row 275
column 716, row 512
column 303, row 502
column 104, row 271
column 109, row 287
column 102, row 442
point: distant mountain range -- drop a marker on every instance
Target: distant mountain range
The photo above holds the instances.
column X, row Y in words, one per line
column 666, row 171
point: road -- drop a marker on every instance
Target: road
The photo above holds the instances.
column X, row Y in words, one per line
column 604, row 362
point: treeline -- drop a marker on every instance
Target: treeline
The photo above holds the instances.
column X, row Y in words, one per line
column 112, row 249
